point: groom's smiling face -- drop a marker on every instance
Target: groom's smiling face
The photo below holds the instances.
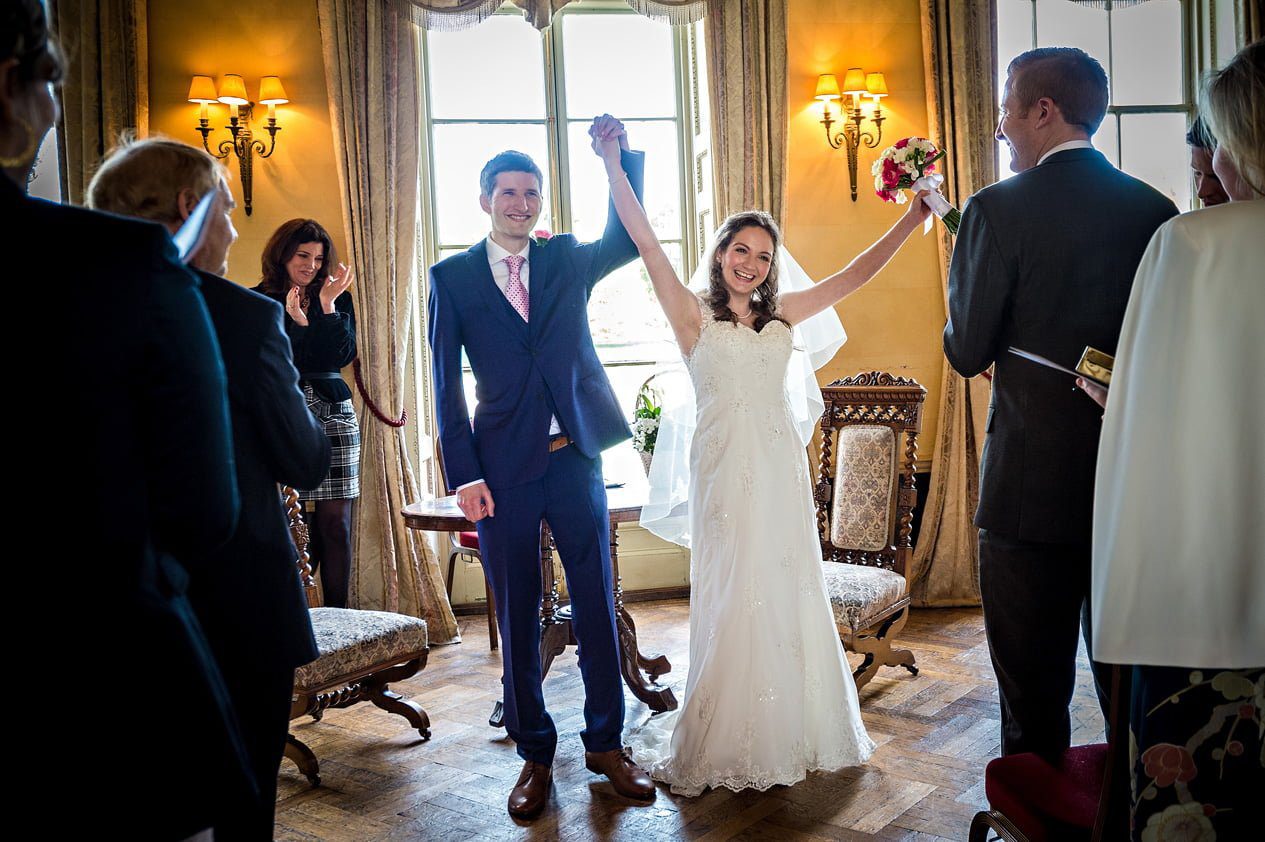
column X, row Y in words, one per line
column 514, row 204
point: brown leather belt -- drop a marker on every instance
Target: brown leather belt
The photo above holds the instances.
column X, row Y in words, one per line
column 558, row 442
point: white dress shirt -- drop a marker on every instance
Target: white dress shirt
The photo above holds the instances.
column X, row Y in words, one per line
column 1062, row 147
column 501, row 275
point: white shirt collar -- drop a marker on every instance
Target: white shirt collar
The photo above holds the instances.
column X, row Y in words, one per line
column 1063, row 147
column 497, row 253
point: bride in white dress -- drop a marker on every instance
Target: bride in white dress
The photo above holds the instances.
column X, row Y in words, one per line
column 769, row 695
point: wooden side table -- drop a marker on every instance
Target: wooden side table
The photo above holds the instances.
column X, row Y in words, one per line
column 640, row 671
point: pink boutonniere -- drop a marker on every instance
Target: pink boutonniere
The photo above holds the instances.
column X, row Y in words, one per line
column 540, row 236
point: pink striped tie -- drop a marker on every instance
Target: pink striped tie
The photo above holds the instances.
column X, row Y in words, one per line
column 514, row 290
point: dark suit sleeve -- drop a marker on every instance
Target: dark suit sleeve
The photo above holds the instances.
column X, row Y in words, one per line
column 293, row 443
column 461, row 461
column 595, row 260
column 980, row 289
column 193, row 483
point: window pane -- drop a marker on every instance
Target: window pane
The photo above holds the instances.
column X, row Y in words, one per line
column 1064, row 24
column 619, row 64
column 460, row 151
column 1153, row 148
column 624, row 315
column 468, row 71
column 1146, row 43
column 590, row 193
column 1106, row 139
column 1014, row 34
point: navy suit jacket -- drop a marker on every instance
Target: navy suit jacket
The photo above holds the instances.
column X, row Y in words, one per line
column 525, row 372
column 247, row 593
column 1045, row 261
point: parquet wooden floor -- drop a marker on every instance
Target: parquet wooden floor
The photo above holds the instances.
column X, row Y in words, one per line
column 935, row 731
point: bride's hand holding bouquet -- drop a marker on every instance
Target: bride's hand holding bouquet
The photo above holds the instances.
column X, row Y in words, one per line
column 910, row 164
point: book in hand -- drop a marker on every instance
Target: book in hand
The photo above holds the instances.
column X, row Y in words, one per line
column 1094, row 364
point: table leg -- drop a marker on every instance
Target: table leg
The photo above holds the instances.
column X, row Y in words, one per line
column 631, row 660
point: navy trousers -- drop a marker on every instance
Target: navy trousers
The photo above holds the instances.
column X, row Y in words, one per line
column 571, row 497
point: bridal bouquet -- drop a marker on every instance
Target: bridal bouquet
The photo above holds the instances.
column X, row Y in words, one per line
column 910, row 164
column 645, row 427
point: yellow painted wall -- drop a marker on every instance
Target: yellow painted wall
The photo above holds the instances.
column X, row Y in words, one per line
column 262, row 38
column 894, row 322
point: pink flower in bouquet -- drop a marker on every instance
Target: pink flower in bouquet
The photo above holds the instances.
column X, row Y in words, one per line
column 903, row 165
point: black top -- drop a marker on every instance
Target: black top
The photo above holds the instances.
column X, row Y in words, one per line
column 1045, row 261
column 323, row 347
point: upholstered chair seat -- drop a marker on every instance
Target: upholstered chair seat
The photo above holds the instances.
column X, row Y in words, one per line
column 351, row 641
column 859, row 594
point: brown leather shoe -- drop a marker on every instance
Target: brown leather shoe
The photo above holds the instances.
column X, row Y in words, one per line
column 529, row 795
column 626, row 776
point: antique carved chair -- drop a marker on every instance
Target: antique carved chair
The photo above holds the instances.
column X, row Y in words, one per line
column 361, row 652
column 865, row 498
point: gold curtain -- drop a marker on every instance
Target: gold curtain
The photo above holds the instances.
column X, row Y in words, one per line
column 106, row 89
column 959, row 60
column 462, row 14
column 1249, row 21
column 371, row 55
column 746, row 70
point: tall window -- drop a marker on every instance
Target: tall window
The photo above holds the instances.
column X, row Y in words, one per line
column 1145, row 50
column 504, row 85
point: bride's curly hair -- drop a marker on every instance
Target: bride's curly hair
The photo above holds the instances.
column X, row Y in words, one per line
column 764, row 298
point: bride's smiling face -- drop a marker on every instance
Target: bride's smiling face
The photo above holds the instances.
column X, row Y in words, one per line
column 745, row 263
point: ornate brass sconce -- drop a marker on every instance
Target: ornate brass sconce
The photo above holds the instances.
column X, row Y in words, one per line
column 232, row 92
column 857, row 83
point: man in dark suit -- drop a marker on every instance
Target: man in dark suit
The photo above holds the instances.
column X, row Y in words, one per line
column 247, row 593
column 546, row 411
column 1044, row 261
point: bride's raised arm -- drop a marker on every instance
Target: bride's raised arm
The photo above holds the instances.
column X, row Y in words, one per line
column 678, row 303
column 803, row 304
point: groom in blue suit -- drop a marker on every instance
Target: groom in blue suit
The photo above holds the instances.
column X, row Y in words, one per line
column 545, row 412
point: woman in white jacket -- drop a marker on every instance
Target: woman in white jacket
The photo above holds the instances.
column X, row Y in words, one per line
column 1179, row 529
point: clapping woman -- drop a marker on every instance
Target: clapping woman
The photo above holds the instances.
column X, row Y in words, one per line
column 321, row 324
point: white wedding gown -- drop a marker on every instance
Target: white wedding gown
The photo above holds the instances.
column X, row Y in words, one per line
column 769, row 696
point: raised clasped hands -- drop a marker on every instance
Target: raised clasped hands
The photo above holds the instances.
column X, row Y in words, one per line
column 608, row 137
column 335, row 285
column 475, row 502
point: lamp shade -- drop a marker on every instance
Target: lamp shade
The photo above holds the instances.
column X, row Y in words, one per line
column 876, row 85
column 202, row 89
column 854, row 82
column 233, row 90
column 271, row 92
column 827, row 87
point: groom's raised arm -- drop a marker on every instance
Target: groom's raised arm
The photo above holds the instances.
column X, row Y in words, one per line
column 599, row 258
column 461, row 462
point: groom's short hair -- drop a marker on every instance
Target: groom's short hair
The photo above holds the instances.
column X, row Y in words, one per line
column 507, row 161
column 1071, row 77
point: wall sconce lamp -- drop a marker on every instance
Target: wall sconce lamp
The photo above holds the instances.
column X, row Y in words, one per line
column 856, row 84
column 232, row 92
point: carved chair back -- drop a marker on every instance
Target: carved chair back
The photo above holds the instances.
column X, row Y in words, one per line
column 299, row 535
column 865, row 491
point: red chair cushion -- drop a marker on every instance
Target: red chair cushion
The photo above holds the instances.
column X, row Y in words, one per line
column 1044, row 801
column 468, row 539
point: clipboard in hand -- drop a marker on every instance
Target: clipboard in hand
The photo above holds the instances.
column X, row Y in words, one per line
column 193, row 231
